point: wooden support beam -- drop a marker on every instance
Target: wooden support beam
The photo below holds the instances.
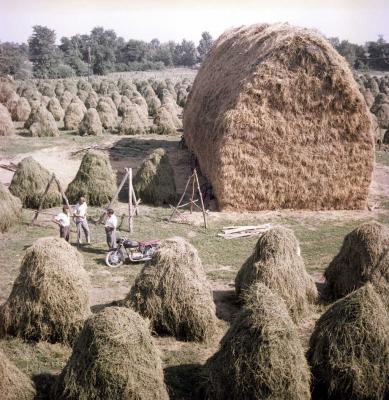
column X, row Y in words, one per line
column 201, row 198
column 130, row 207
column 42, row 199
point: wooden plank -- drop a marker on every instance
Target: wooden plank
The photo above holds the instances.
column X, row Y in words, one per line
column 201, row 198
column 130, row 210
column 42, row 199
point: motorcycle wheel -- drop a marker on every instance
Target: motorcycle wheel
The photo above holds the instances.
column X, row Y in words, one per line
column 114, row 258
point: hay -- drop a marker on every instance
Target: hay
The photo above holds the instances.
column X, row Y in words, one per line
column 92, row 100
column 141, row 102
column 91, row 124
column 277, row 263
column 50, row 297
column 95, row 180
column 349, row 348
column 12, row 101
column 21, row 111
column 114, row 357
column 73, row 116
column 362, row 258
column 14, row 384
column 116, row 98
column 65, row 99
column 260, row 356
column 55, row 108
column 10, row 209
column 154, row 182
column 172, row 291
column 6, row 125
column 107, row 113
column 59, row 89
column 30, row 181
column 41, row 123
column 276, row 120
column 6, row 89
column 82, row 95
column 133, row 122
column 165, row 123
column 124, row 105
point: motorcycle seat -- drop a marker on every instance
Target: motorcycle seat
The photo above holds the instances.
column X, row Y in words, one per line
column 130, row 243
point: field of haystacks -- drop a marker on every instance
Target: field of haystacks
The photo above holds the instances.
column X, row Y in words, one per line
column 126, row 118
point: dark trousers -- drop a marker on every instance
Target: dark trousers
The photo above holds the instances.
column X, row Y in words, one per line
column 64, row 232
column 111, row 237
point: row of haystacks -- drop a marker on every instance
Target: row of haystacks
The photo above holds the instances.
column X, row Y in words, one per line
column 119, row 106
column 375, row 90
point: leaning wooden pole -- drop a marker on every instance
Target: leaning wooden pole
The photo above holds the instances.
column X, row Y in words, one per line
column 42, row 199
column 130, row 190
column 201, row 199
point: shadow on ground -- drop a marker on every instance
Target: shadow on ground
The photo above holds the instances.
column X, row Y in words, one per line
column 43, row 384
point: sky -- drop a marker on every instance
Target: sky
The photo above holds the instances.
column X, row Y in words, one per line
column 355, row 20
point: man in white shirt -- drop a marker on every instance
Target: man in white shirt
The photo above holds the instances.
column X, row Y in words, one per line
column 110, row 228
column 63, row 221
column 80, row 213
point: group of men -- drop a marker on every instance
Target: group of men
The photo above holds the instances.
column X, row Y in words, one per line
column 79, row 215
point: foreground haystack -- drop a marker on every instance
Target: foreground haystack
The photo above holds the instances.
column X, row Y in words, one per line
column 95, row 180
column 363, row 258
column 173, row 293
column 260, row 356
column 6, row 124
column 277, row 263
column 154, row 182
column 349, row 349
column 50, row 297
column 29, row 183
column 14, row 384
column 274, row 108
column 41, row 123
column 10, row 209
column 114, row 357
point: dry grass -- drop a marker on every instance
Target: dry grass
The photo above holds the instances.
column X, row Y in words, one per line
column 73, row 116
column 91, row 124
column 41, row 123
column 10, row 209
column 6, row 125
column 50, row 297
column 276, row 120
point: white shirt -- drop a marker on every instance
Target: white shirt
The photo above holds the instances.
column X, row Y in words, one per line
column 111, row 222
column 63, row 219
column 81, row 211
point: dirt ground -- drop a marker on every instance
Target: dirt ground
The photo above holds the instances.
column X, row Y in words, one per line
column 320, row 235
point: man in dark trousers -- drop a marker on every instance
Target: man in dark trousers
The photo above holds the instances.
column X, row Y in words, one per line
column 110, row 228
column 63, row 221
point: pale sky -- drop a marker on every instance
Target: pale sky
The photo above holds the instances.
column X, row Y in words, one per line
column 355, row 20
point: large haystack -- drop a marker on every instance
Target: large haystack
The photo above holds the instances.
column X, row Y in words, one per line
column 113, row 358
column 349, row 349
column 91, row 124
column 50, row 297
column 73, row 116
column 6, row 125
column 154, row 182
column 276, row 120
column 41, row 123
column 30, row 181
column 95, row 180
column 14, row 384
column 363, row 258
column 260, row 356
column 172, row 291
column 10, row 209
column 277, row 263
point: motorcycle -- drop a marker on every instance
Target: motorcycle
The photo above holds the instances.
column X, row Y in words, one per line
column 132, row 250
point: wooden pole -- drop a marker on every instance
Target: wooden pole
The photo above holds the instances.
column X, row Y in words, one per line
column 193, row 193
column 61, row 191
column 130, row 190
column 201, row 198
column 181, row 198
column 42, row 199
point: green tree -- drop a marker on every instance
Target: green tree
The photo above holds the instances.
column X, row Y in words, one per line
column 379, row 54
column 72, row 50
column 103, row 44
column 14, row 60
column 185, row 53
column 205, row 45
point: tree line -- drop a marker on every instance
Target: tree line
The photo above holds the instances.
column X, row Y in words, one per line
column 102, row 52
column 99, row 53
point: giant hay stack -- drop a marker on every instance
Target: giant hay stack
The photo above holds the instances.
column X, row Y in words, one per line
column 349, row 348
column 276, row 120
column 277, row 263
column 50, row 297
column 260, row 356
column 29, row 183
column 14, row 384
column 363, row 258
column 154, row 182
column 173, row 293
column 95, row 180
column 114, row 357
column 10, row 209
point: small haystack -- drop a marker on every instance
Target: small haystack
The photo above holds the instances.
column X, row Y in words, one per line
column 349, row 348
column 165, row 123
column 277, row 263
column 55, row 108
column 73, row 116
column 92, row 100
column 133, row 122
column 50, row 297
column 30, row 181
column 14, row 384
column 363, row 258
column 154, row 182
column 107, row 112
column 91, row 124
column 10, row 209
column 274, row 108
column 172, row 291
column 65, row 99
column 114, row 357
column 21, row 111
column 95, row 180
column 41, row 123
column 260, row 356
column 6, row 125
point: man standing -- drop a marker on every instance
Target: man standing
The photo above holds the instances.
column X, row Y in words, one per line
column 81, row 222
column 110, row 228
column 63, row 220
